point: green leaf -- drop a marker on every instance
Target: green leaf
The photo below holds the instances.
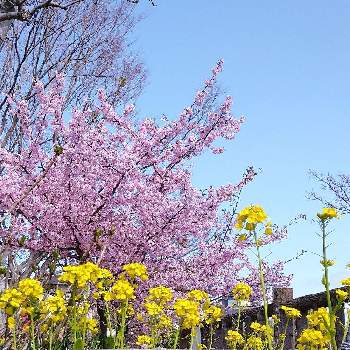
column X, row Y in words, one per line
column 79, row 344
column 109, row 343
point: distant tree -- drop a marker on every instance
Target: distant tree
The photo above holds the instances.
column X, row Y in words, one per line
column 335, row 191
column 87, row 41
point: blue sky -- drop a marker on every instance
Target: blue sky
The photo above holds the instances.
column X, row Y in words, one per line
column 287, row 68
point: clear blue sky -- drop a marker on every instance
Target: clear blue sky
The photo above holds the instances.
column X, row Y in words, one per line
column 287, row 67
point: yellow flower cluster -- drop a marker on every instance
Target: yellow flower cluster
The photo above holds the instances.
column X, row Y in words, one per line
column 319, row 319
column 341, row 295
column 153, row 309
column 156, row 304
column 312, row 339
column 164, row 323
column 134, row 270
column 250, row 216
column 54, row 307
column 160, row 295
column 89, row 324
column 241, row 292
column 198, row 295
column 31, row 288
column 291, row 312
column 213, row 314
column 144, row 341
column 11, row 322
column 254, row 343
column 327, row 263
column 328, row 213
column 233, row 339
column 316, row 336
column 11, row 299
column 82, row 275
column 346, row 282
column 188, row 312
column 261, row 329
column 122, row 290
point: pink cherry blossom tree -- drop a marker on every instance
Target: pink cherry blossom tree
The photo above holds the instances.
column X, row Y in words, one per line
column 108, row 188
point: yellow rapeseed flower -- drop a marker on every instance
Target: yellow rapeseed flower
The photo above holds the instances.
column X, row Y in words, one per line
column 31, row 288
column 89, row 324
column 249, row 217
column 82, row 275
column 268, row 228
column 341, row 295
column 165, row 322
column 346, row 282
column 291, row 312
column 241, row 292
column 275, row 319
column 136, row 270
column 312, row 339
column 122, row 290
column 328, row 213
column 327, row 263
column 188, row 312
column 144, row 341
column 153, row 309
column 254, row 343
column 242, row 237
column 198, row 295
column 234, row 338
column 160, row 295
column 54, row 307
column 319, row 319
column 11, row 299
column 213, row 314
column 11, row 323
column 261, row 329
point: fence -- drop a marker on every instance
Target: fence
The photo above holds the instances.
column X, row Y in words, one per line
column 281, row 296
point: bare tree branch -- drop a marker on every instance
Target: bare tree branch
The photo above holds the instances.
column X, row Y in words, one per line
column 86, row 41
column 334, row 191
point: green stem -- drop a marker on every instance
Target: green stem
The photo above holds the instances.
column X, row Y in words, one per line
column 50, row 338
column 239, row 316
column 121, row 332
column 108, row 318
column 326, row 284
column 211, row 337
column 284, row 334
column 263, row 289
column 32, row 331
column 74, row 313
column 192, row 337
column 177, row 334
column 154, row 335
column 14, row 338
